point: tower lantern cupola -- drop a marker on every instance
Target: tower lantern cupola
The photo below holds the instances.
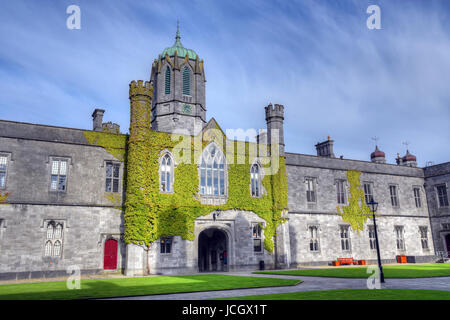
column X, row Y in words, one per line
column 179, row 90
column 378, row 156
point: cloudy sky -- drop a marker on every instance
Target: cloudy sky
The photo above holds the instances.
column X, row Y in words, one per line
column 318, row 58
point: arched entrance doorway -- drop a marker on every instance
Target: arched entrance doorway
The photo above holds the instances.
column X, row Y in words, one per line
column 212, row 250
column 447, row 242
column 110, row 255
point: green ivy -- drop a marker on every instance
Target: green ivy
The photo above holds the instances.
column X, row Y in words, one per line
column 3, row 197
column 150, row 214
column 356, row 212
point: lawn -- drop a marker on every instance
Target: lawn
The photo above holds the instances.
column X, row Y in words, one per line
column 396, row 271
column 134, row 286
column 353, row 294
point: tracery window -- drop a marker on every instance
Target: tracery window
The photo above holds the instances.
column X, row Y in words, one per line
column 255, row 180
column 53, row 241
column 212, row 172
column 166, row 173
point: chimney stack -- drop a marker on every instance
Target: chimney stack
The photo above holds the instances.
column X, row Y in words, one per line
column 97, row 119
column 325, row 149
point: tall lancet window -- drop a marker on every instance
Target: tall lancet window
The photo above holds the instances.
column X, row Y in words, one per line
column 212, row 172
column 255, row 180
column 186, row 81
column 166, row 173
column 167, row 81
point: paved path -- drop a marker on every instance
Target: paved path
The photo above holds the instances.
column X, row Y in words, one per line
column 308, row 284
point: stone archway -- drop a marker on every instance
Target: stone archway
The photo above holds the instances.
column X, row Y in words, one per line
column 213, row 251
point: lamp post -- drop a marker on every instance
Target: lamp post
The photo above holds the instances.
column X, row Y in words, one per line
column 374, row 206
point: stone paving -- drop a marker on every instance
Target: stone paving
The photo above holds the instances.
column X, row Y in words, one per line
column 308, row 284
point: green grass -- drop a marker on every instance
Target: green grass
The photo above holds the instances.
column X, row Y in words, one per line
column 397, row 271
column 353, row 294
column 134, row 286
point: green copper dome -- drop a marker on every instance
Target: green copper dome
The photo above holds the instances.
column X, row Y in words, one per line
column 178, row 47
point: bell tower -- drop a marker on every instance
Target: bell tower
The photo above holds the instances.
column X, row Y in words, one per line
column 178, row 79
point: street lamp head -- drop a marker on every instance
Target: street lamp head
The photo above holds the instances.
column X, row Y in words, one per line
column 373, row 205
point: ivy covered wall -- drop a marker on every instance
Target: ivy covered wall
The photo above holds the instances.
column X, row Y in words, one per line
column 150, row 214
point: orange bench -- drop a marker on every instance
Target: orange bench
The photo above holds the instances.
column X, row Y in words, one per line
column 343, row 261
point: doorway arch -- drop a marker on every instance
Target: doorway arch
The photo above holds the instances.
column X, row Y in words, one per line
column 213, row 251
column 447, row 244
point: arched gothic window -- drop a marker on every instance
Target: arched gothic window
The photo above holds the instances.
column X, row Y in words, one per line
column 212, row 172
column 58, row 231
column 186, row 81
column 255, row 180
column 48, row 248
column 166, row 173
column 167, row 81
column 57, row 248
column 53, row 241
column 50, row 230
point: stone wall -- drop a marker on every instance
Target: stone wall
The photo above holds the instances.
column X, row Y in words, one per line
column 440, row 216
column 323, row 212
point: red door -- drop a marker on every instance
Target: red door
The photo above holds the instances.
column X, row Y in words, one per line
column 110, row 262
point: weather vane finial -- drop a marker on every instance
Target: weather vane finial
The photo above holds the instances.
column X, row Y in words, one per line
column 406, row 143
column 375, row 139
column 178, row 30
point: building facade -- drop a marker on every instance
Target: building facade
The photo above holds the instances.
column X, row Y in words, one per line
column 99, row 200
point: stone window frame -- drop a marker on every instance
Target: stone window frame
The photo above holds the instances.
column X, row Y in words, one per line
column 113, row 162
column 173, row 165
column 163, row 245
column 348, row 238
column 372, row 238
column 396, row 196
column 261, row 174
column 50, row 163
column 423, row 230
column 314, row 240
column 372, row 190
column 400, row 241
column 8, row 156
column 417, row 197
column 260, row 237
column 344, row 191
column 445, row 196
column 314, row 185
column 445, row 226
column 54, row 240
column 208, row 198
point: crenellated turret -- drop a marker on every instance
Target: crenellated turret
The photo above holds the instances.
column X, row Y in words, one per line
column 275, row 128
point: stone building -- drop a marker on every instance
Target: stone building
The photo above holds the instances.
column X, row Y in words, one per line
column 65, row 193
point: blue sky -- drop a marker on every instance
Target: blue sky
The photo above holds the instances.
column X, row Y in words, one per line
column 333, row 75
